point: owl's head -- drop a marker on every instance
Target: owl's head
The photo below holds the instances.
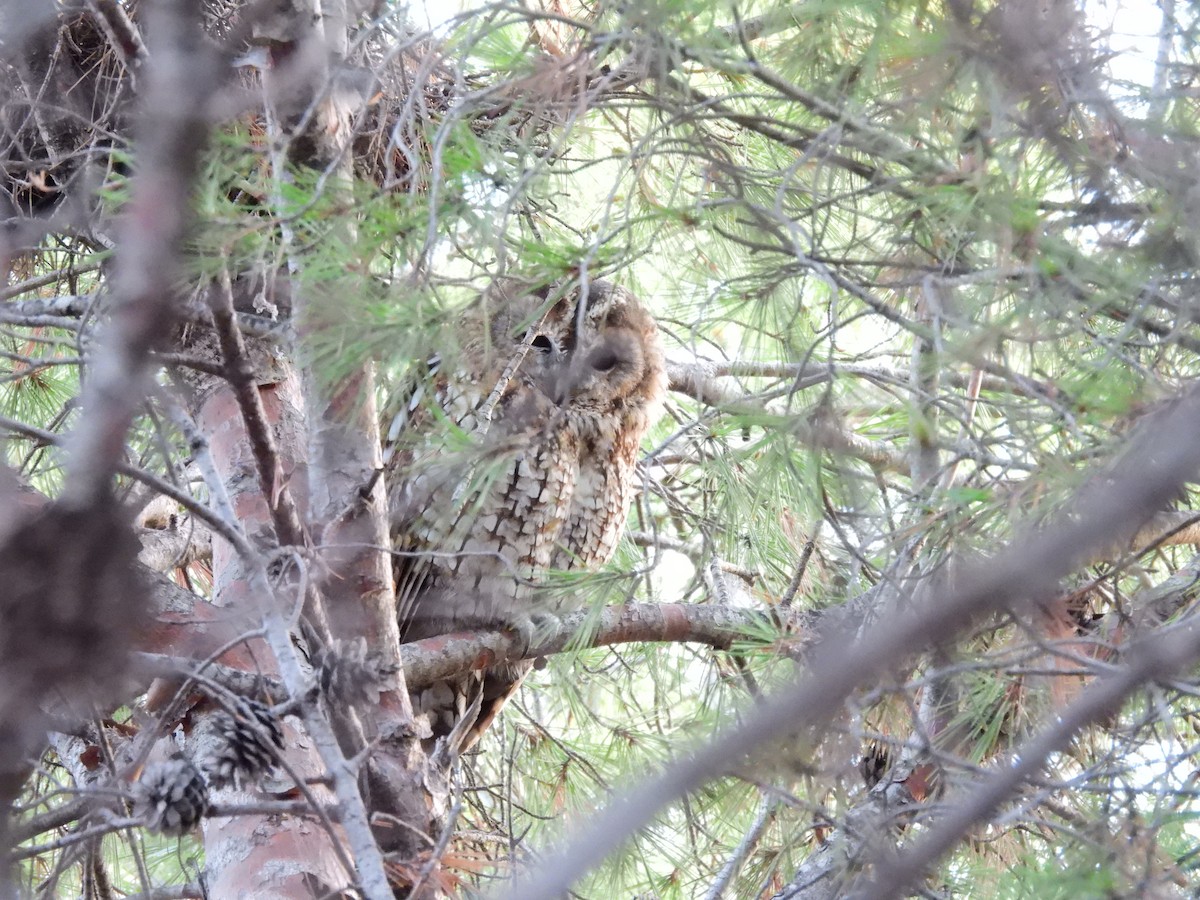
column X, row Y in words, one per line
column 512, row 333
column 596, row 354
column 614, row 357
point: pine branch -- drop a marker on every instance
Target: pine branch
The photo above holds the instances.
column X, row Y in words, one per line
column 1164, row 454
column 1159, row 656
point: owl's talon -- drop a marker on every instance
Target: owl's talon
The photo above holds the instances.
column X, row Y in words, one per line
column 524, row 630
column 532, row 629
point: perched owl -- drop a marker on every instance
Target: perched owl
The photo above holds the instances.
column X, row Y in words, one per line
column 531, row 469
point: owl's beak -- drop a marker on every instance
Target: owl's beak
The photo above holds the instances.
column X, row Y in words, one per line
column 566, row 386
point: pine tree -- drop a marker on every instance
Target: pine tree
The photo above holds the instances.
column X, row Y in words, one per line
column 904, row 606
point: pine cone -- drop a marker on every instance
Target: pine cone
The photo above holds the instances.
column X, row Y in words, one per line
column 252, row 739
column 172, row 796
column 348, row 674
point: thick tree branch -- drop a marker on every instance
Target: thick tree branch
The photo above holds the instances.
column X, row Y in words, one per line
column 189, row 628
column 440, row 658
column 807, row 375
column 693, row 382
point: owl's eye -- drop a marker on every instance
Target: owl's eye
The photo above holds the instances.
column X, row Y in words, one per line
column 603, row 360
column 543, row 343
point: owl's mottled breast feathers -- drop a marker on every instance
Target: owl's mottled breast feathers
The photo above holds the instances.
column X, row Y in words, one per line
column 616, row 385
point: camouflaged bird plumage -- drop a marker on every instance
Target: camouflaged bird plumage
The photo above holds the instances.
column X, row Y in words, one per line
column 517, row 459
column 614, row 395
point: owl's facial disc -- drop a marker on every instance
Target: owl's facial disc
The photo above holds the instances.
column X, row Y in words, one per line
column 603, row 373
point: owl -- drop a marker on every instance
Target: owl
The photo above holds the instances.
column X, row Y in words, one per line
column 522, row 461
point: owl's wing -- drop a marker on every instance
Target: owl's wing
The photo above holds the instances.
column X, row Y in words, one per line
column 479, row 509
